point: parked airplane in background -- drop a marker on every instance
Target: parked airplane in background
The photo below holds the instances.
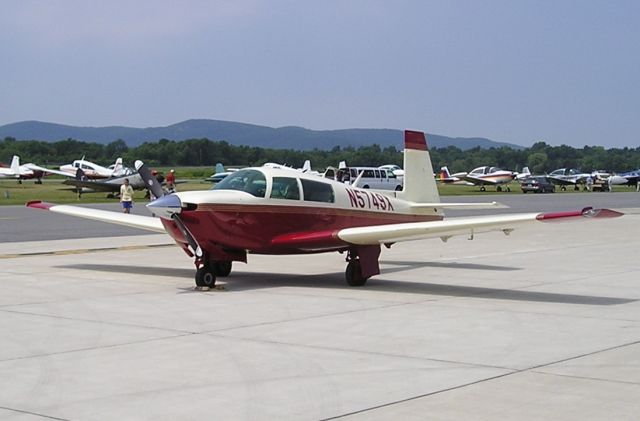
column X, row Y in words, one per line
column 111, row 185
column 489, row 176
column 524, row 174
column 92, row 170
column 568, row 177
column 219, row 173
column 21, row 172
column 275, row 211
column 444, row 176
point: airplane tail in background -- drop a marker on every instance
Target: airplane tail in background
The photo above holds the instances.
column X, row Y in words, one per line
column 419, row 183
column 219, row 168
column 15, row 164
column 444, row 173
column 118, row 169
column 306, row 167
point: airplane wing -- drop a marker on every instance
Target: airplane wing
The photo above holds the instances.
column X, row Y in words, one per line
column 35, row 167
column 561, row 181
column 478, row 181
column 459, row 226
column 94, row 185
column 136, row 221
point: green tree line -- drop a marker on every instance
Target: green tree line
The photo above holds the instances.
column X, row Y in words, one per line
column 540, row 157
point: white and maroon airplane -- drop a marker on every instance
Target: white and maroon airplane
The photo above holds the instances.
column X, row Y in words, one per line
column 279, row 211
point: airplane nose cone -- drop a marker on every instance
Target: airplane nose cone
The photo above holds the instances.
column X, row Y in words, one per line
column 166, row 206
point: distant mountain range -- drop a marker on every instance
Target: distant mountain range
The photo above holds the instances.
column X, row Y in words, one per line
column 290, row 137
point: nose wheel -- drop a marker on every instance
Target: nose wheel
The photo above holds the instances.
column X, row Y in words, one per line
column 206, row 276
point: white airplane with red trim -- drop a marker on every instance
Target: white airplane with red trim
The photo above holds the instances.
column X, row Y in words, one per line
column 278, row 211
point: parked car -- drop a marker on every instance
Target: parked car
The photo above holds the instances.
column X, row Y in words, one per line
column 538, row 184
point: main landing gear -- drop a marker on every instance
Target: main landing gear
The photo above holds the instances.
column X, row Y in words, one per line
column 208, row 271
column 353, row 274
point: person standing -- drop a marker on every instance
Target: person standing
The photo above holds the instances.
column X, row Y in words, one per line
column 126, row 196
column 171, row 181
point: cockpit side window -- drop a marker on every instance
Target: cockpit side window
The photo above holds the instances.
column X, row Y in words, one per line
column 316, row 191
column 285, row 188
column 249, row 181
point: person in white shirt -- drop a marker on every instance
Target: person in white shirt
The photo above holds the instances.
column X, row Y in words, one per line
column 126, row 196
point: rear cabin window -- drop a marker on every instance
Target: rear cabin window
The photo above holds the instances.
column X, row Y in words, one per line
column 285, row 188
column 368, row 174
column 315, row 191
column 249, row 181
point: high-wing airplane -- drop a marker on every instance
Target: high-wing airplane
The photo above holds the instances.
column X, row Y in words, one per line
column 21, row 172
column 489, row 176
column 92, row 170
column 278, row 211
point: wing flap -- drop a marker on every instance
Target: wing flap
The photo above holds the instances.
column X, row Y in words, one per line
column 136, row 221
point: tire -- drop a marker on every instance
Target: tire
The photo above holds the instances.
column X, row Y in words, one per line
column 222, row 267
column 398, row 188
column 205, row 277
column 353, row 274
column 366, row 186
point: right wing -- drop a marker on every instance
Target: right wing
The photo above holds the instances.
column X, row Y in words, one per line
column 136, row 221
column 447, row 228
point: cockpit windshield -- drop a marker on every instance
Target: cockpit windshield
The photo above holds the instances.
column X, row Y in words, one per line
column 250, row 181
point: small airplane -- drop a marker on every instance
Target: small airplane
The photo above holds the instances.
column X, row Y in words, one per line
column 219, row 173
column 568, row 177
column 92, row 170
column 82, row 184
column 279, row 212
column 629, row 178
column 21, row 172
column 489, row 176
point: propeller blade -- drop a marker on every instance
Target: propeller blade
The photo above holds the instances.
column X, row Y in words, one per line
column 149, row 180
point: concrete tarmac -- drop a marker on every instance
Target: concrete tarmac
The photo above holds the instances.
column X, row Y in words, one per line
column 541, row 324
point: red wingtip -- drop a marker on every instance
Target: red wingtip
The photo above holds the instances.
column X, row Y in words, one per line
column 415, row 140
column 38, row 204
column 586, row 213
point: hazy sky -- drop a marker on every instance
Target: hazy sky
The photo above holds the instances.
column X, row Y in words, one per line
column 516, row 71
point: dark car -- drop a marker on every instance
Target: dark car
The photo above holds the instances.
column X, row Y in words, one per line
column 537, row 184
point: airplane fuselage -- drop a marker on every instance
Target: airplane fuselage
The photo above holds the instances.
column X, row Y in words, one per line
column 228, row 222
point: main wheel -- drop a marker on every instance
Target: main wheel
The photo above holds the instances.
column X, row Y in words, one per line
column 205, row 277
column 482, row 188
column 222, row 267
column 498, row 188
column 353, row 274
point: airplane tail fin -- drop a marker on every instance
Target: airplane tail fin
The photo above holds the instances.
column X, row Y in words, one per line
column 419, row 183
column 444, row 173
column 15, row 164
column 118, row 169
column 219, row 168
column 307, row 166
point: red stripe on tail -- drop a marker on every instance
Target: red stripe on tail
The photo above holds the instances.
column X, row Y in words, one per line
column 415, row 140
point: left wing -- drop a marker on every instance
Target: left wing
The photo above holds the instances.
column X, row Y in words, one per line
column 136, row 221
column 35, row 167
column 478, row 181
column 447, row 228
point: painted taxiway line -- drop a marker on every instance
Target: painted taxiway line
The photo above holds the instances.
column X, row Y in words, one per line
column 81, row 251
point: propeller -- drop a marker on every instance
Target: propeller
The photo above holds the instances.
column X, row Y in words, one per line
column 149, row 179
